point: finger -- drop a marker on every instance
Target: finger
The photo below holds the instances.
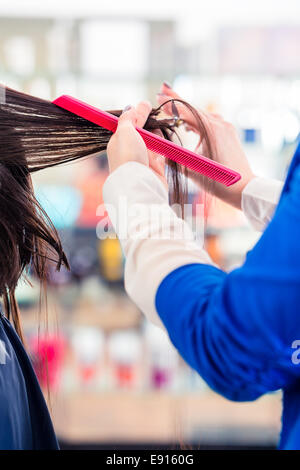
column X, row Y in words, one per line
column 166, row 89
column 129, row 115
column 143, row 110
column 162, row 99
column 167, row 93
column 184, row 113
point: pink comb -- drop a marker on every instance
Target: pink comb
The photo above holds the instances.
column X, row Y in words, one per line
column 157, row 144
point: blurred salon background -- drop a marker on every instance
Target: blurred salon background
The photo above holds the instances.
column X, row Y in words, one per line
column 115, row 381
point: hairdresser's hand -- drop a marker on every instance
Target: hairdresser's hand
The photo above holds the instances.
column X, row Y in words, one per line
column 126, row 144
column 227, row 147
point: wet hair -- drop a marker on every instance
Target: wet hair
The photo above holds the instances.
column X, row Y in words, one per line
column 35, row 134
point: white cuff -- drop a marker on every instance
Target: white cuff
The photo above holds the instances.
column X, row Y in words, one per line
column 259, row 200
column 154, row 239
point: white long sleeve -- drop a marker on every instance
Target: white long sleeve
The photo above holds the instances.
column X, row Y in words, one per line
column 155, row 241
column 259, row 200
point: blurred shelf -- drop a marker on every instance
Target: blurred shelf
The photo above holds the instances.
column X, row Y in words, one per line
column 119, row 316
column 113, row 316
column 164, row 417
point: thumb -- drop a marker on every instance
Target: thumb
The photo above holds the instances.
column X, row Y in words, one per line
column 128, row 116
column 166, row 89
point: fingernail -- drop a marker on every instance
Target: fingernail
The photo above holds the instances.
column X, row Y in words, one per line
column 167, row 84
column 127, row 108
column 161, row 94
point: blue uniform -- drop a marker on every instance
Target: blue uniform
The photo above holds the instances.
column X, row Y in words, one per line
column 24, row 418
column 237, row 330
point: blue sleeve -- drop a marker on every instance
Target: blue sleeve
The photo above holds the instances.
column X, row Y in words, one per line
column 237, row 329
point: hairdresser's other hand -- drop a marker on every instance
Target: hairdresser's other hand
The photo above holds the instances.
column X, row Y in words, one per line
column 126, row 144
column 227, row 147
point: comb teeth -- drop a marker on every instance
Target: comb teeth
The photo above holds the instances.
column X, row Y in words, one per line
column 157, row 144
column 191, row 160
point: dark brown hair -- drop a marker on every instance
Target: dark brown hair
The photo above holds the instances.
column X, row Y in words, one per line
column 34, row 135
